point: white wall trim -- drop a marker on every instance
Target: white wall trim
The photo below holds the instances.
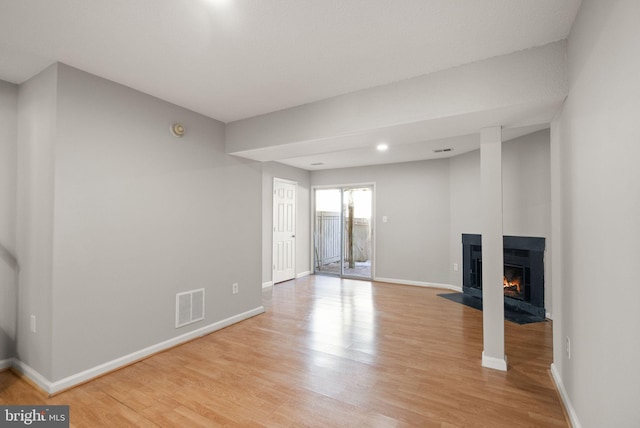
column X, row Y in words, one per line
column 494, row 363
column 5, row 364
column 419, row 283
column 303, row 274
column 86, row 375
column 267, row 284
column 548, row 316
column 573, row 416
column 32, row 375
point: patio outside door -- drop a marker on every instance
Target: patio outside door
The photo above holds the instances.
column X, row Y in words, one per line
column 343, row 231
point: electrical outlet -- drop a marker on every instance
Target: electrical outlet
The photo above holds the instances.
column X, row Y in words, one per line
column 568, row 343
column 234, row 288
column 33, row 323
column 455, row 267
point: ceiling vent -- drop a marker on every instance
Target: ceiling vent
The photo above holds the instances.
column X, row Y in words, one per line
column 442, row 150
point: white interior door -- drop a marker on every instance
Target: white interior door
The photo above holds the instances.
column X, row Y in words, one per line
column 284, row 230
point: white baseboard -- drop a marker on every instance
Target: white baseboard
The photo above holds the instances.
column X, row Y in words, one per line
column 548, row 316
column 494, row 363
column 5, row 364
column 419, row 283
column 34, row 376
column 84, row 376
column 573, row 417
column 299, row 275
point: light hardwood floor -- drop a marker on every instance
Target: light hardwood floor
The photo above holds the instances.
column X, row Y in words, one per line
column 328, row 353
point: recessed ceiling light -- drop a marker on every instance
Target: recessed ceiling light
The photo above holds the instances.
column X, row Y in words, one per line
column 382, row 147
column 219, row 3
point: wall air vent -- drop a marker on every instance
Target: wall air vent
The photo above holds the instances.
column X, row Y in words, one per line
column 189, row 307
column 443, row 150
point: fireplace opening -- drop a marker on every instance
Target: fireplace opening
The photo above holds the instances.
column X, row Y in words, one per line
column 523, row 279
column 514, row 282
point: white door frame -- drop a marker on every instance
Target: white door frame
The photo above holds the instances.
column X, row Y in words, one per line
column 374, row 232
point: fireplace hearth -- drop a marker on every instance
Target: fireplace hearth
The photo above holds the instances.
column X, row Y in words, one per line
column 523, row 281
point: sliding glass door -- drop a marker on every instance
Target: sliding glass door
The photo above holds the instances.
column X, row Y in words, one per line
column 343, row 231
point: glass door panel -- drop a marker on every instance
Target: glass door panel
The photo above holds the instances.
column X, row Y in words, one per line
column 356, row 214
column 343, row 231
column 327, row 233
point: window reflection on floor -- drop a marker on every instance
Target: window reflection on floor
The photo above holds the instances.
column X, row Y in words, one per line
column 347, row 327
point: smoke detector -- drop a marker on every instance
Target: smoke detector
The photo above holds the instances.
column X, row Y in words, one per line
column 178, row 130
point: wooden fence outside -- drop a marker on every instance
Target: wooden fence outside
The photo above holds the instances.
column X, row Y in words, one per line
column 327, row 238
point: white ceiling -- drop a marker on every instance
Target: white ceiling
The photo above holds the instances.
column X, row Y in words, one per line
column 233, row 59
column 400, row 151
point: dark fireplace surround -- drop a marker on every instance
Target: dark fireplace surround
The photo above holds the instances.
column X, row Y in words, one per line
column 523, row 283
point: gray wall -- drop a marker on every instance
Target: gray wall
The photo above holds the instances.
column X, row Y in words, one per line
column 8, row 177
column 271, row 170
column 414, row 244
column 137, row 215
column 465, row 206
column 596, row 151
column 526, row 185
column 34, row 217
column 526, row 197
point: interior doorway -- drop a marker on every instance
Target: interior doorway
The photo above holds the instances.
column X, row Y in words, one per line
column 343, row 231
column 284, row 230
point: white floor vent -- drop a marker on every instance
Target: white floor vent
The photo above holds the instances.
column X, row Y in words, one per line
column 189, row 307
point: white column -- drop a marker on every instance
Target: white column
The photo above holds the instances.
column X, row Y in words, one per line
column 492, row 252
column 555, row 267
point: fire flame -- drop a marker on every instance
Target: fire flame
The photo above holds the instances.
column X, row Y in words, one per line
column 509, row 284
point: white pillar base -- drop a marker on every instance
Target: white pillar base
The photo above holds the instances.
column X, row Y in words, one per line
column 494, row 363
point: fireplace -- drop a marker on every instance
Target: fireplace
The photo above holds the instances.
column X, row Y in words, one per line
column 523, row 280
